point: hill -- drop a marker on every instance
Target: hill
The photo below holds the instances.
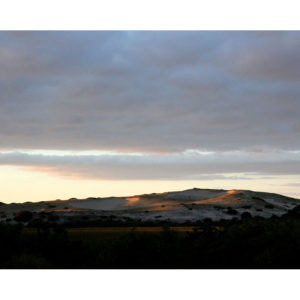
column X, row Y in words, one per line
column 191, row 205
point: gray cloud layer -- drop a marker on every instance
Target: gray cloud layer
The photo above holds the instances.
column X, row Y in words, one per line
column 184, row 166
column 236, row 94
column 150, row 91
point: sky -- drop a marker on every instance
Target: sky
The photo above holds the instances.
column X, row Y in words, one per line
column 102, row 113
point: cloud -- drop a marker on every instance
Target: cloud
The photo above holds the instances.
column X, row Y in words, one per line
column 190, row 165
column 267, row 56
column 292, row 184
column 150, row 92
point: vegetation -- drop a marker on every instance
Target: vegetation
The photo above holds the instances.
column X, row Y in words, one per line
column 246, row 243
column 231, row 211
column 271, row 206
column 257, row 198
column 23, row 216
column 246, row 215
column 246, row 206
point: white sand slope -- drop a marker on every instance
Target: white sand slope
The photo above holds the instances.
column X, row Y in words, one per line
column 111, row 203
column 198, row 197
column 162, row 201
column 189, row 205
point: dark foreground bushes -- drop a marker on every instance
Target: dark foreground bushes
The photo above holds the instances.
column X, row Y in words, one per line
column 249, row 243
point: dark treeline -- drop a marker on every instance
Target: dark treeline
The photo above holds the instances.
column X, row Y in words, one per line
column 246, row 243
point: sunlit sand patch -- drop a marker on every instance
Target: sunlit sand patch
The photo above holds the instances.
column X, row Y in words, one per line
column 220, row 200
column 233, row 192
column 132, row 201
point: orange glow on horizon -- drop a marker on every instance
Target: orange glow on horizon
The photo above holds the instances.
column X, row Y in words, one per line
column 41, row 184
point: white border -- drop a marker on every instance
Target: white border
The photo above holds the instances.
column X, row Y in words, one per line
column 149, row 285
column 150, row 15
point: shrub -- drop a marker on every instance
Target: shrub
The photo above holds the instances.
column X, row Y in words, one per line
column 246, row 215
column 246, row 206
column 53, row 218
column 51, row 206
column 23, row 216
column 269, row 206
column 231, row 211
column 207, row 220
column 217, row 207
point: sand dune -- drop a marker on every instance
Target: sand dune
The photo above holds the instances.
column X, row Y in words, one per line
column 189, row 205
column 165, row 201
